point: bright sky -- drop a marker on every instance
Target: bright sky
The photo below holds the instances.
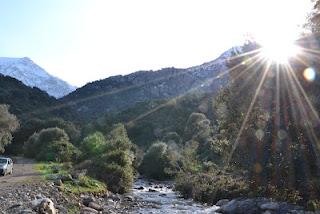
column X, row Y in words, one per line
column 85, row 40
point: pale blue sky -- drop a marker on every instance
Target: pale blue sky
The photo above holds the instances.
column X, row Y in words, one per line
column 85, row 40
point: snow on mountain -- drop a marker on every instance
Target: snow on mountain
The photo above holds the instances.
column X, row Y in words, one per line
column 25, row 70
column 219, row 64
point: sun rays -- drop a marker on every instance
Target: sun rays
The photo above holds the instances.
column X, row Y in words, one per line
column 289, row 74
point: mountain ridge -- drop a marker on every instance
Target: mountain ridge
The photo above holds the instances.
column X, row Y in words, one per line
column 117, row 93
column 31, row 74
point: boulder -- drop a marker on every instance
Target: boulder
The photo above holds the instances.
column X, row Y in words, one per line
column 66, row 177
column 229, row 208
column 44, row 205
column 129, row 198
column 270, row 206
column 140, row 188
column 115, row 197
column 15, row 206
column 88, row 210
column 95, row 206
column 58, row 182
column 110, row 202
column 222, row 202
column 26, row 211
column 247, row 206
column 152, row 190
column 87, row 200
column 55, row 169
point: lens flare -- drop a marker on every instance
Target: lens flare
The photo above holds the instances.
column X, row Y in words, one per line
column 279, row 52
column 309, row 74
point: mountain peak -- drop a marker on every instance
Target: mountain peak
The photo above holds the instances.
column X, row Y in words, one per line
column 25, row 70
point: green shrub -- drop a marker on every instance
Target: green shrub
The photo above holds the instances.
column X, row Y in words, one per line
column 93, row 145
column 112, row 159
column 50, row 144
column 211, row 187
column 119, row 179
column 157, row 162
column 189, row 160
column 33, row 125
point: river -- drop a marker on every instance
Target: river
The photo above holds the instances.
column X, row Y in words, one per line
column 159, row 198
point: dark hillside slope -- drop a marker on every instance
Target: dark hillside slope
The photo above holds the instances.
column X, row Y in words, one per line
column 118, row 93
column 27, row 102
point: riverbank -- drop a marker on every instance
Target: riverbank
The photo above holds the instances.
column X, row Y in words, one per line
column 146, row 197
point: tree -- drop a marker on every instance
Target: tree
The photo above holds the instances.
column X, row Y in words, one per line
column 8, row 124
column 50, row 144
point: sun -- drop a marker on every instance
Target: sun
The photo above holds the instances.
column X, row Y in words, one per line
column 279, row 51
column 277, row 29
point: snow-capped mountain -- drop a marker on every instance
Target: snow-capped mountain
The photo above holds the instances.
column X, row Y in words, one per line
column 25, row 70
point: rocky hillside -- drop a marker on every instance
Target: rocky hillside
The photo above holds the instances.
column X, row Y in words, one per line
column 118, row 93
column 26, row 102
column 25, row 70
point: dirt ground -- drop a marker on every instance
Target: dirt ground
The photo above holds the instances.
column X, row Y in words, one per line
column 23, row 171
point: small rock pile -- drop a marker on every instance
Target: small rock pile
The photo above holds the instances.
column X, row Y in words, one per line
column 34, row 198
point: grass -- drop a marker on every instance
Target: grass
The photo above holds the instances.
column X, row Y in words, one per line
column 48, row 169
column 73, row 209
column 84, row 184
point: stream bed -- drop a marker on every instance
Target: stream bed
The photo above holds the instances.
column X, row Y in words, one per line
column 159, row 197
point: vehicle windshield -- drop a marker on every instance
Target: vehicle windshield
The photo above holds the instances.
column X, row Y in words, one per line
column 3, row 161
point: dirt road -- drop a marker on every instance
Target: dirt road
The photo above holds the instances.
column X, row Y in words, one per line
column 23, row 171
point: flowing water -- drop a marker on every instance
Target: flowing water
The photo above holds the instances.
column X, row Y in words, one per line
column 160, row 198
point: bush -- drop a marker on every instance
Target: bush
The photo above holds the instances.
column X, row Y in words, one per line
column 189, row 158
column 33, row 125
column 50, row 144
column 198, row 128
column 119, row 179
column 157, row 162
column 93, row 145
column 112, row 158
column 211, row 187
